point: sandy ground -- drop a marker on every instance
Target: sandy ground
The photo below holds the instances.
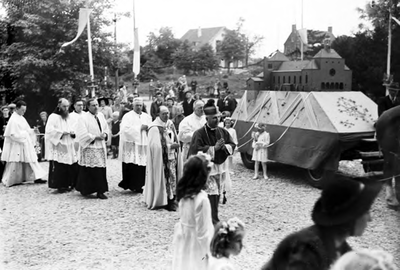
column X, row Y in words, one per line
column 40, row 229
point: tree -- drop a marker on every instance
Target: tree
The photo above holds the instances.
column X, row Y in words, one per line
column 31, row 62
column 250, row 42
column 232, row 47
column 164, row 45
column 188, row 59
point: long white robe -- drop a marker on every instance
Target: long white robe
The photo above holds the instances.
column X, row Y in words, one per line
column 187, row 127
column 58, row 147
column 19, row 152
column 155, row 189
column 93, row 152
column 133, row 141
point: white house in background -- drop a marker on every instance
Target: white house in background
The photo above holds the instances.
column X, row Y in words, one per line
column 212, row 36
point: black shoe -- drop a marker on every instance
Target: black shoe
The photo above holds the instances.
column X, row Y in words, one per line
column 40, row 181
column 171, row 206
column 62, row 190
column 102, row 196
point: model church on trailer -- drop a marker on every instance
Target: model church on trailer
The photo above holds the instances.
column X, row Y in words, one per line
column 326, row 71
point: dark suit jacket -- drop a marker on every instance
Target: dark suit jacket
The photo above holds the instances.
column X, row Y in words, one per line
column 312, row 248
column 228, row 104
column 385, row 103
column 187, row 107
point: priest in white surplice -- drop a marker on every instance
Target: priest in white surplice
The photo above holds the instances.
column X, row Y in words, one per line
column 189, row 125
column 19, row 151
column 133, row 147
column 92, row 134
column 74, row 117
column 60, row 151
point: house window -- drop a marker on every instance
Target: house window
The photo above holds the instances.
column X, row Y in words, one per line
column 288, row 79
column 279, row 79
column 294, row 79
column 269, row 66
column 341, row 86
column 306, row 79
column 327, row 85
column 300, row 79
column 273, row 78
column 332, row 85
column 322, row 85
column 284, row 79
column 336, row 85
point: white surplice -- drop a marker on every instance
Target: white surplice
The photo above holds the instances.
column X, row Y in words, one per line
column 75, row 117
column 58, row 147
column 187, row 127
column 93, row 153
column 19, row 152
column 133, row 141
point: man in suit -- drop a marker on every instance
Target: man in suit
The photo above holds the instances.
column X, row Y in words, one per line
column 391, row 100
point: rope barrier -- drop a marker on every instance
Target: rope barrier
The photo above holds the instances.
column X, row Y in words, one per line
column 281, row 136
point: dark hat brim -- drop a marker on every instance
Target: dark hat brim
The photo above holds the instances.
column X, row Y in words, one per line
column 359, row 207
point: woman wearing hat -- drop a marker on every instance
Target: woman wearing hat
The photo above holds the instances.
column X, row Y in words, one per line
column 341, row 211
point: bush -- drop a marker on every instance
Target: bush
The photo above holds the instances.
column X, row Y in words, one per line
column 225, row 76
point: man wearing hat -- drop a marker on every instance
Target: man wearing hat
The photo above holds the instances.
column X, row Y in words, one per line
column 11, row 107
column 60, row 150
column 155, row 106
column 133, row 147
column 343, row 210
column 391, row 100
column 189, row 125
column 188, row 103
column 218, row 143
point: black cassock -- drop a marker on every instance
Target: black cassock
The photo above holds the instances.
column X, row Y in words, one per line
column 202, row 140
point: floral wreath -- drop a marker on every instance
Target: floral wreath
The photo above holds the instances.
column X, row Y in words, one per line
column 231, row 225
column 206, row 159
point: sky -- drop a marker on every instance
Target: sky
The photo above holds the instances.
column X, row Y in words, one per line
column 272, row 19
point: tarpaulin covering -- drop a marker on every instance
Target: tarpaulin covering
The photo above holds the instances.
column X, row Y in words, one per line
column 317, row 126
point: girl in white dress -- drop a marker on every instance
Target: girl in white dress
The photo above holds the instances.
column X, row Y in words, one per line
column 194, row 231
column 260, row 145
column 228, row 123
column 227, row 241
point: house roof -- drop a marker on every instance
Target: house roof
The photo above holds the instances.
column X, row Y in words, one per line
column 323, row 53
column 256, row 79
column 316, row 36
column 277, row 56
column 206, row 35
column 293, row 65
column 312, row 65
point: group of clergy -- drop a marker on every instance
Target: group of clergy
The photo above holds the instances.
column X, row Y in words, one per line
column 152, row 152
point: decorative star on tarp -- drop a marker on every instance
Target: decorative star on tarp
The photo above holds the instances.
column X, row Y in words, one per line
column 352, row 109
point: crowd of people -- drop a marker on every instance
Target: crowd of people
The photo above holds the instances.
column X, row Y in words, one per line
column 179, row 156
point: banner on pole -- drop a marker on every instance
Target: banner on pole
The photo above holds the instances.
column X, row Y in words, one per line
column 303, row 35
column 396, row 20
column 136, row 53
column 82, row 22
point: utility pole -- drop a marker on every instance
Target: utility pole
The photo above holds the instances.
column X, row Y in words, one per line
column 115, row 51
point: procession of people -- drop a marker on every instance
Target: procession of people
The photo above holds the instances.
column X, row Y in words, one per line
column 177, row 163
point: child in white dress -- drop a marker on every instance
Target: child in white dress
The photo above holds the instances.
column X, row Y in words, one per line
column 260, row 145
column 194, row 231
column 227, row 241
column 228, row 123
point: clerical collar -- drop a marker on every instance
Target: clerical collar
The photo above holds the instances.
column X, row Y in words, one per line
column 210, row 128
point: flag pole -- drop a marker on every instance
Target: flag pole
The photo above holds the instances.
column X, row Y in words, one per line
column 389, row 46
column 134, row 30
column 90, row 50
column 302, row 46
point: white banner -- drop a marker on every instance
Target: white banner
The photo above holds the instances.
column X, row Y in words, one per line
column 396, row 20
column 303, row 35
column 83, row 19
column 136, row 53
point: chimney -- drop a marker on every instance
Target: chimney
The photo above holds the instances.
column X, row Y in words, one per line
column 293, row 28
column 330, row 29
column 199, row 32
